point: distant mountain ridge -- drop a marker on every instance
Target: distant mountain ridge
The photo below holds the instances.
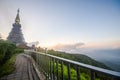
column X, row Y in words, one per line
column 79, row 58
column 110, row 57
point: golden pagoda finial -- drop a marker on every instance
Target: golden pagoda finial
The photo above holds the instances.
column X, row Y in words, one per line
column 17, row 19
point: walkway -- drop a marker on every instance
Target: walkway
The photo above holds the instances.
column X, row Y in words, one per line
column 24, row 70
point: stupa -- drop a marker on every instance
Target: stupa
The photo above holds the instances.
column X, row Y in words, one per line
column 16, row 35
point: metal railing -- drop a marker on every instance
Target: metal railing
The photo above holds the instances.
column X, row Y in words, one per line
column 57, row 68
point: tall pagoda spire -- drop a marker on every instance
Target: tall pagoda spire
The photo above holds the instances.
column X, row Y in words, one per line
column 17, row 19
column 16, row 35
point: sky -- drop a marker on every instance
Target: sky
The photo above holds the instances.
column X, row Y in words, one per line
column 57, row 23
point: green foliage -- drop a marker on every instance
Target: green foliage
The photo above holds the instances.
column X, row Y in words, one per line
column 39, row 49
column 8, row 67
column 18, row 50
column 83, row 76
column 8, row 51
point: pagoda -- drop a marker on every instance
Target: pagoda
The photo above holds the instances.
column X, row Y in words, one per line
column 16, row 35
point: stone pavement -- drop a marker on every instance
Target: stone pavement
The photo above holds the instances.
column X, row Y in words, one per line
column 24, row 70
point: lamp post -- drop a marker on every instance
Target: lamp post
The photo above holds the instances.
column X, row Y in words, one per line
column 45, row 50
column 0, row 36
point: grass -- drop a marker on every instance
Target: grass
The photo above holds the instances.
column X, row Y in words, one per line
column 8, row 67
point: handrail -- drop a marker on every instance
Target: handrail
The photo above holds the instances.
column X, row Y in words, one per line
column 89, row 67
column 113, row 73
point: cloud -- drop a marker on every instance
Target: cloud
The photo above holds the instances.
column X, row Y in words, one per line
column 86, row 48
column 68, row 47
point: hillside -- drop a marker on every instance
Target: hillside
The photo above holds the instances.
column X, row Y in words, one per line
column 78, row 57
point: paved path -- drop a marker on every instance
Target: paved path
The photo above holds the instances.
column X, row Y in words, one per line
column 24, row 70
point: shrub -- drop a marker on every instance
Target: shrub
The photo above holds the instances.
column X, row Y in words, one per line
column 6, row 50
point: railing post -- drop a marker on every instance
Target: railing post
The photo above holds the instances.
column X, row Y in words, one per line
column 115, row 78
column 37, row 58
column 53, row 69
column 40, row 63
column 49, row 69
column 78, row 72
column 62, row 70
column 57, row 69
column 69, row 73
column 92, row 75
